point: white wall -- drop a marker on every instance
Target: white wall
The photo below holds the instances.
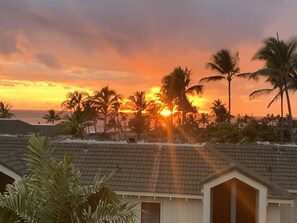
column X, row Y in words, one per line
column 274, row 214
column 176, row 210
column 289, row 212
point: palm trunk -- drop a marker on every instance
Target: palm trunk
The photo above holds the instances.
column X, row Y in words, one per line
column 229, row 96
column 281, row 119
column 95, row 127
column 289, row 111
column 105, row 123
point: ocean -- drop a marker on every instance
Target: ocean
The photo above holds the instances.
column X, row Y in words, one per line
column 33, row 117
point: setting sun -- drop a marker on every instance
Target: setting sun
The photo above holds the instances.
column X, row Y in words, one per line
column 165, row 112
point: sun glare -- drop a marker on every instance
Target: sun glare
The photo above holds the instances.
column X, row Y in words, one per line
column 165, row 112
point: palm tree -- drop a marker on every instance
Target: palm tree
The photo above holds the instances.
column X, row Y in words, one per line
column 226, row 65
column 76, row 124
column 204, row 119
column 137, row 102
column 5, row 110
column 280, row 59
column 103, row 100
column 75, row 100
column 277, row 86
column 175, row 88
column 220, row 112
column 154, row 110
column 52, row 116
column 117, row 115
column 51, row 193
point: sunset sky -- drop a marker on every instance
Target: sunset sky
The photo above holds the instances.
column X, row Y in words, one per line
column 51, row 47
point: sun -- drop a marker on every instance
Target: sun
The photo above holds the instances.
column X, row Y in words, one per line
column 165, row 112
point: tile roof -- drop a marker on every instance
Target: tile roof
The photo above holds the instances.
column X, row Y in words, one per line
column 153, row 168
column 15, row 127
column 276, row 162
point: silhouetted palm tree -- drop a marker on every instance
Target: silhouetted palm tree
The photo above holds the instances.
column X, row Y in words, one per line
column 52, row 116
column 174, row 90
column 75, row 100
column 137, row 102
column 226, row 65
column 280, row 59
column 117, row 115
column 278, row 87
column 5, row 110
column 204, row 119
column 103, row 100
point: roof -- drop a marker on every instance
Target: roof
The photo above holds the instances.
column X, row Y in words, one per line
column 15, row 127
column 48, row 130
column 275, row 162
column 151, row 168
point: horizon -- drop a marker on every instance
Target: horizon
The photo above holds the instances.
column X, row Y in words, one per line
column 132, row 46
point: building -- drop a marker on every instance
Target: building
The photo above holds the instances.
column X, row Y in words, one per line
column 183, row 183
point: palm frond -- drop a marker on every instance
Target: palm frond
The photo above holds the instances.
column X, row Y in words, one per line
column 260, row 92
column 211, row 78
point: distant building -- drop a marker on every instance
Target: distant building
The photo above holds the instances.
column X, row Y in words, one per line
column 21, row 128
column 183, row 183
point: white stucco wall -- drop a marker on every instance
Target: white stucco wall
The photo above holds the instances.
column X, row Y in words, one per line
column 176, row 210
column 288, row 213
column 273, row 214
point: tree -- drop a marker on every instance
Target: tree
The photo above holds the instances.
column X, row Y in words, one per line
column 175, row 88
column 116, row 117
column 52, row 193
column 226, row 65
column 137, row 102
column 103, row 100
column 153, row 110
column 280, row 60
column 5, row 110
column 204, row 119
column 277, row 86
column 222, row 116
column 52, row 116
column 74, row 101
column 76, row 124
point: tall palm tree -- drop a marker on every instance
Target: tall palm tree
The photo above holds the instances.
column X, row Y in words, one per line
column 278, row 87
column 5, row 110
column 103, row 100
column 204, row 119
column 52, row 116
column 226, row 65
column 154, row 109
column 137, row 102
column 52, row 193
column 280, row 59
column 117, row 115
column 75, row 100
column 175, row 88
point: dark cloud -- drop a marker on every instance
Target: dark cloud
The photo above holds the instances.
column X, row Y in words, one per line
column 131, row 26
column 8, row 44
column 48, row 60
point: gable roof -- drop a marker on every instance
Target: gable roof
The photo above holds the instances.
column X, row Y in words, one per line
column 15, row 127
column 143, row 168
column 275, row 162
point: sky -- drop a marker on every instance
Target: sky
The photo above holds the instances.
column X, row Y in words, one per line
column 51, row 47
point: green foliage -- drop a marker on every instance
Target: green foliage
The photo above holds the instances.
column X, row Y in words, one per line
column 76, row 124
column 52, row 193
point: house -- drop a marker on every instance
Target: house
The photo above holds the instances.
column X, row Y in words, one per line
column 21, row 128
column 183, row 183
